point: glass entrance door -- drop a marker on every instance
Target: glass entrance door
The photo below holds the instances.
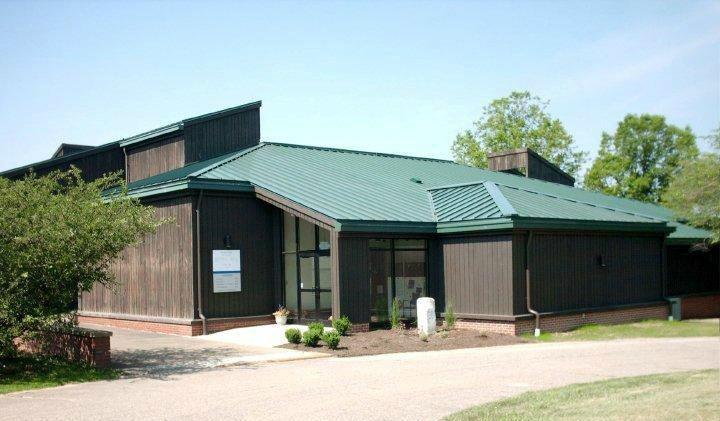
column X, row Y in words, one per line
column 306, row 267
column 315, row 291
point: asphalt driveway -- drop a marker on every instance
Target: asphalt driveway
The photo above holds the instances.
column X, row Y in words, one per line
column 414, row 386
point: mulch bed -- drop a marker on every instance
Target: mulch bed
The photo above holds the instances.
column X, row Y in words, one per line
column 388, row 341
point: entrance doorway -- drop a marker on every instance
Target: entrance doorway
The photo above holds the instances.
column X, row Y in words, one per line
column 306, row 270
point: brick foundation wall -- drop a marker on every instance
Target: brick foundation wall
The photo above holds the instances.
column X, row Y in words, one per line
column 82, row 345
column 564, row 322
column 360, row 327
column 192, row 328
column 700, row 307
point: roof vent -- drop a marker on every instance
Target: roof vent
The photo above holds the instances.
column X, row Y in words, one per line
column 416, row 180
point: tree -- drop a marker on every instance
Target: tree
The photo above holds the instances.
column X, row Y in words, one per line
column 641, row 158
column 516, row 121
column 58, row 237
column 695, row 193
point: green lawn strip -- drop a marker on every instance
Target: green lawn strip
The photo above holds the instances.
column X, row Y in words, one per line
column 644, row 329
column 687, row 395
column 26, row 373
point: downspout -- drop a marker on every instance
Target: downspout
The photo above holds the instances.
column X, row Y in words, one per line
column 127, row 178
column 199, row 266
column 528, row 242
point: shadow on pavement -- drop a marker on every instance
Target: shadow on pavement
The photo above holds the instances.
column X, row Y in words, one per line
column 161, row 363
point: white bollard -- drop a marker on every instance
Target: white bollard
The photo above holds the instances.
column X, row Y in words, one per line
column 426, row 315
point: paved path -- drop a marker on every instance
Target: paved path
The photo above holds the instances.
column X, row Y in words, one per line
column 415, row 386
column 147, row 354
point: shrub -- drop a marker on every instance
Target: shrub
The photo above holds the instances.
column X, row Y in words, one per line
column 293, row 336
column 395, row 314
column 342, row 325
column 331, row 339
column 311, row 337
column 59, row 236
column 450, row 316
column 423, row 336
column 317, row 326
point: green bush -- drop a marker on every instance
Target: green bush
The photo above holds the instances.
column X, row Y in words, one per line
column 331, row 339
column 311, row 337
column 342, row 325
column 293, row 336
column 450, row 318
column 317, row 326
column 395, row 314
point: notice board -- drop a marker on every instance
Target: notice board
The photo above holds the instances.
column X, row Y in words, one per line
column 226, row 271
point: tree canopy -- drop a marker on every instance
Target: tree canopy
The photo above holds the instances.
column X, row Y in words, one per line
column 694, row 194
column 641, row 158
column 516, row 121
column 58, row 237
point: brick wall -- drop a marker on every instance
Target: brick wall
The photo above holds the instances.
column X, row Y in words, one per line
column 82, row 345
column 700, row 307
column 563, row 322
column 192, row 328
column 360, row 327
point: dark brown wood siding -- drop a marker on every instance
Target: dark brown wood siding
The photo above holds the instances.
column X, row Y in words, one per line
column 692, row 271
column 93, row 166
column 585, row 270
column 478, row 274
column 211, row 138
column 352, row 291
column 249, row 222
column 156, row 277
column 155, row 158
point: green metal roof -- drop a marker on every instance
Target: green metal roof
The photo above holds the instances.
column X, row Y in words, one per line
column 381, row 191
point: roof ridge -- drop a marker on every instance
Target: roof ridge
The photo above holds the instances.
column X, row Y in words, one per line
column 355, row 151
column 503, row 204
column 227, row 160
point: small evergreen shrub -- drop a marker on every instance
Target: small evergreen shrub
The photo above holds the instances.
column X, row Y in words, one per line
column 450, row 318
column 293, row 336
column 342, row 325
column 331, row 339
column 317, row 326
column 395, row 314
column 311, row 337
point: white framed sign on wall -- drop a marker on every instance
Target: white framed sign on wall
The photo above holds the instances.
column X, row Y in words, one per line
column 226, row 271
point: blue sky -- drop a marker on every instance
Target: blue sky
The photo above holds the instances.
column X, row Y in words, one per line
column 397, row 77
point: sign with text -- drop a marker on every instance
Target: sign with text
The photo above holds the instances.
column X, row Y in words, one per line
column 226, row 271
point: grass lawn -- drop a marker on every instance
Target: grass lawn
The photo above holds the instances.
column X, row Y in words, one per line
column 25, row 373
column 688, row 395
column 644, row 329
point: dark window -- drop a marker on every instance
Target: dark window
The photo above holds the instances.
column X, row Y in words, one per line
column 398, row 269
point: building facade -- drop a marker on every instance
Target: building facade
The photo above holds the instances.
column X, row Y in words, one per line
column 330, row 232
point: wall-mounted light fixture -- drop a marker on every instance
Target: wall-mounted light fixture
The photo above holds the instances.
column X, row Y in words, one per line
column 600, row 261
column 227, row 241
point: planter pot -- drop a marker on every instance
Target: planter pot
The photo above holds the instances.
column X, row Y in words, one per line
column 281, row 320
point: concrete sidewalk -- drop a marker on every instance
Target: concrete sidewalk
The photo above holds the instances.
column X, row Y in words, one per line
column 157, row 355
column 412, row 386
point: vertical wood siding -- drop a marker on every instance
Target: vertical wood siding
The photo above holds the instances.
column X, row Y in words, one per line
column 692, row 272
column 92, row 166
column 155, row 158
column 250, row 224
column 478, row 274
column 208, row 139
column 353, row 286
column 156, row 277
column 566, row 273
